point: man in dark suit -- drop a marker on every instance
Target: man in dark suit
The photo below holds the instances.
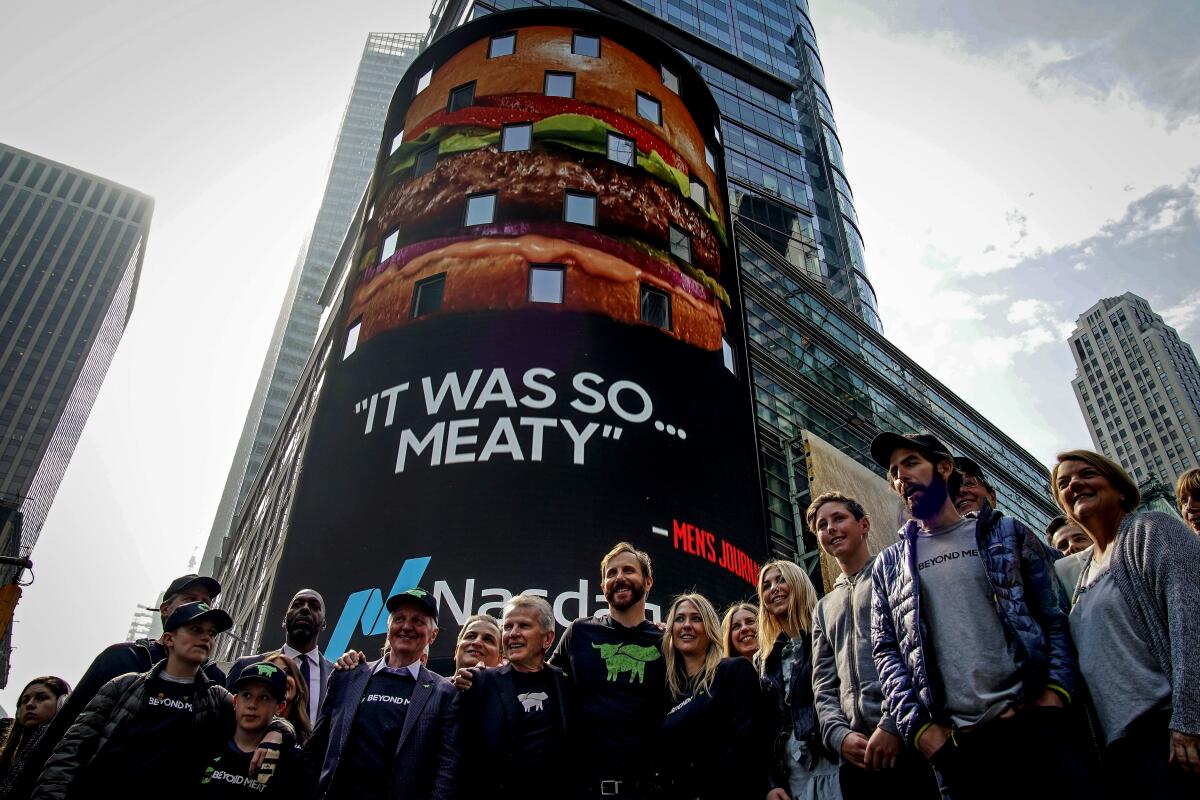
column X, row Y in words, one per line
column 516, row 716
column 302, row 625
column 389, row 729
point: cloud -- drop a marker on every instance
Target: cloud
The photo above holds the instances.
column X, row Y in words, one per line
column 1100, row 47
column 1028, row 310
column 1185, row 313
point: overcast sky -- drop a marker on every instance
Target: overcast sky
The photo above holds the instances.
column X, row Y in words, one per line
column 1012, row 163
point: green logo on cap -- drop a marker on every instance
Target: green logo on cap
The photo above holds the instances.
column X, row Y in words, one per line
column 203, row 607
column 417, row 592
column 266, row 670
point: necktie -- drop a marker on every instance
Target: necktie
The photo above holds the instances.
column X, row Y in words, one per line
column 304, row 673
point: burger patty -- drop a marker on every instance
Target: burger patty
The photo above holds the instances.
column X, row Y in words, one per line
column 531, row 184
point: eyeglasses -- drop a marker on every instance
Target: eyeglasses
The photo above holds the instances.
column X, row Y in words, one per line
column 971, row 483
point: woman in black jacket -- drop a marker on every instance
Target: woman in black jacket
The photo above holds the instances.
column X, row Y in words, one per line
column 707, row 741
column 39, row 701
column 803, row 769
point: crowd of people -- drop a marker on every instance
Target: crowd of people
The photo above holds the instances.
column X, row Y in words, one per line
column 971, row 658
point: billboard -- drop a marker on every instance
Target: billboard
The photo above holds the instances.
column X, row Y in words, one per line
column 543, row 346
column 831, row 470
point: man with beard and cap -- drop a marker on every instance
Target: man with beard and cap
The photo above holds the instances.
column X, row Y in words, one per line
column 302, row 625
column 970, row 638
column 614, row 664
column 126, row 657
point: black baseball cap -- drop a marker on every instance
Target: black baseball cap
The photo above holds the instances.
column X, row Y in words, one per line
column 415, row 595
column 190, row 612
column 266, row 672
column 886, row 443
column 968, row 466
column 184, row 581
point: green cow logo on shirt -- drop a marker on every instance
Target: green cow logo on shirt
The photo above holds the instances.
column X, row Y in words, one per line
column 631, row 658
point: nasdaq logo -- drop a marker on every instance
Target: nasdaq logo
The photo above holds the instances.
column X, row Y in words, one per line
column 365, row 608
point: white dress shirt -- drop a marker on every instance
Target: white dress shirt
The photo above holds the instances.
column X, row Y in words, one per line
column 314, row 677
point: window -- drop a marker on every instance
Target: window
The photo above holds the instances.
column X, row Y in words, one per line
column 621, row 149
column 503, row 45
column 397, row 140
column 655, row 307
column 579, row 208
column 670, row 80
column 427, row 295
column 583, row 44
column 560, row 84
column 727, row 355
column 699, row 193
column 681, row 244
column 389, row 245
column 352, row 339
column 649, row 108
column 423, row 81
column 710, row 159
column 516, row 137
column 461, row 97
column 425, row 161
column 546, row 283
column 481, row 209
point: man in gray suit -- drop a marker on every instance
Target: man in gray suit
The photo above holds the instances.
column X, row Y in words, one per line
column 389, row 729
column 302, row 625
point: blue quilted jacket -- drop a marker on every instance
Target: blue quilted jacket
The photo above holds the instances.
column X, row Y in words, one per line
column 1027, row 601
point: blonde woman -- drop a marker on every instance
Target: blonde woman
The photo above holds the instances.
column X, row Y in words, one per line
column 706, row 737
column 739, row 630
column 801, row 769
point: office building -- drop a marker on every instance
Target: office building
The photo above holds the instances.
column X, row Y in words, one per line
column 1138, row 386
column 815, row 354
column 384, row 59
column 71, row 248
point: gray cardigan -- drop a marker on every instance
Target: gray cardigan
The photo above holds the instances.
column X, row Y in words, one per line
column 1156, row 567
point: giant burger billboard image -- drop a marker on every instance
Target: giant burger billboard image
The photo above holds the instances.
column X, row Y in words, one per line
column 543, row 347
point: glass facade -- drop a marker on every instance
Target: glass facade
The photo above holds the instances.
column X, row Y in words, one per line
column 70, row 256
column 384, row 59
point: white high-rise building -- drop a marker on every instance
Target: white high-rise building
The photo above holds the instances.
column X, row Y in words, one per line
column 1138, row 385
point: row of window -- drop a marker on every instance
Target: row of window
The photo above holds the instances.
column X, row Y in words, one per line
column 579, row 208
column 547, row 284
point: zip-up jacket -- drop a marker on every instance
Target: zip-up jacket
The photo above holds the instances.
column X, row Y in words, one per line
column 1027, row 601
column 845, row 684
column 109, row 713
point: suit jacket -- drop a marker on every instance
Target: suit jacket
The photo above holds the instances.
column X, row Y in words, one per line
column 428, row 752
column 490, row 718
column 235, row 671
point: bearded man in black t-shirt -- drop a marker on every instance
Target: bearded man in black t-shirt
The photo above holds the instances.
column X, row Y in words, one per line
column 614, row 665
column 518, row 714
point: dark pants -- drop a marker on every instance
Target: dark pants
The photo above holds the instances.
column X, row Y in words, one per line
column 1039, row 752
column 912, row 777
column 1136, row 764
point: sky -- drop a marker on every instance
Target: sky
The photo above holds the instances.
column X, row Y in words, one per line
column 1012, row 163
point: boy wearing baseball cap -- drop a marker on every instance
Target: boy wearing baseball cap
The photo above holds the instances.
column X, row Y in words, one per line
column 142, row 731
column 261, row 691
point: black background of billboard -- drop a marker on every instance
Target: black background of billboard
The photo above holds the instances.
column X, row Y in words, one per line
column 515, row 524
